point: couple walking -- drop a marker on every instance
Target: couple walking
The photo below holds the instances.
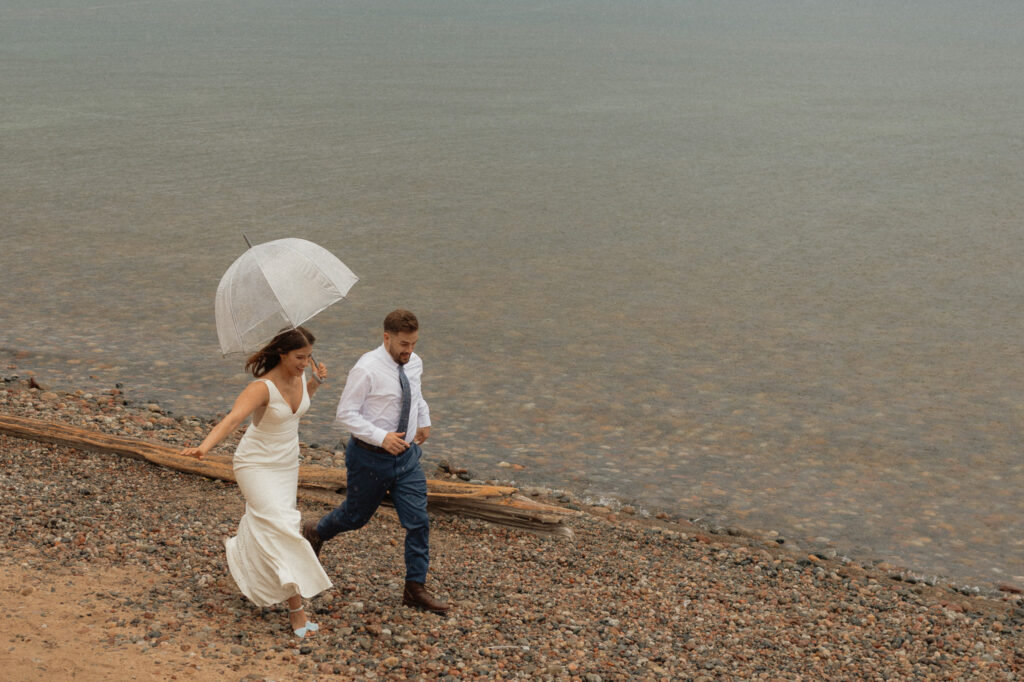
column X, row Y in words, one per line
column 275, row 556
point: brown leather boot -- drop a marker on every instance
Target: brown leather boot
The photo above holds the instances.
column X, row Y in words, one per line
column 312, row 537
column 417, row 595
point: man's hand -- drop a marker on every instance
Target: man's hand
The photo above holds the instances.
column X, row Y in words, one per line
column 395, row 443
column 422, row 434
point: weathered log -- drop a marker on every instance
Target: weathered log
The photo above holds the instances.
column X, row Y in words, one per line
column 88, row 439
column 496, row 504
column 513, row 511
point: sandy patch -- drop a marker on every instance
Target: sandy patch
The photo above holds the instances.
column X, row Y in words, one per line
column 63, row 624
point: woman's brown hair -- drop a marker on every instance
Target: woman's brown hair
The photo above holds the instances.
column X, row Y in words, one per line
column 268, row 357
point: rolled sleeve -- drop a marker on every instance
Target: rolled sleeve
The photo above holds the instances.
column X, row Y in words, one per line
column 423, row 418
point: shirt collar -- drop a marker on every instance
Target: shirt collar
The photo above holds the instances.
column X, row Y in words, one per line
column 387, row 355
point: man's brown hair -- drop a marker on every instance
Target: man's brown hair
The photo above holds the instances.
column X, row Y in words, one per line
column 400, row 321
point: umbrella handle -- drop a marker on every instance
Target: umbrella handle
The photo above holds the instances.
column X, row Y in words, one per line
column 318, row 379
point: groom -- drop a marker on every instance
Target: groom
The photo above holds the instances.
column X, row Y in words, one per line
column 383, row 409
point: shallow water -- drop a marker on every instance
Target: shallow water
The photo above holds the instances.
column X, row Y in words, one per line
column 753, row 262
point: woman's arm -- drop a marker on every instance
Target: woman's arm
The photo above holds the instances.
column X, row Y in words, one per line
column 254, row 395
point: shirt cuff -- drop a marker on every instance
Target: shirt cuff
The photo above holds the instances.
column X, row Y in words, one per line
column 377, row 438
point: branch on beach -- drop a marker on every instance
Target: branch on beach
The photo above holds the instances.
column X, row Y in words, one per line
column 497, row 504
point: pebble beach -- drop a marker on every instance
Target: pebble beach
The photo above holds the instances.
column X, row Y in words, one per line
column 114, row 568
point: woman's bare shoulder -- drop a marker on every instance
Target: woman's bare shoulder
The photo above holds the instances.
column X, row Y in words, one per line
column 256, row 390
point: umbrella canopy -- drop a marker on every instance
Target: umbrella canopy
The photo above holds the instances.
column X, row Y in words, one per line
column 274, row 286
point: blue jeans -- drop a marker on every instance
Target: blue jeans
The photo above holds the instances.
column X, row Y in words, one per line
column 370, row 476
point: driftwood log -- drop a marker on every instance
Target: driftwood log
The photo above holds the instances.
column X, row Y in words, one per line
column 496, row 504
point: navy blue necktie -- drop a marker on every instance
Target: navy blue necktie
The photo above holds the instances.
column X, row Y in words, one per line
column 403, row 418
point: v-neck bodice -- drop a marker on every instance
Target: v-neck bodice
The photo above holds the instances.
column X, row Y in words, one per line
column 278, row 416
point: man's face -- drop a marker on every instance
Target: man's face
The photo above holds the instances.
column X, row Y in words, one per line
column 401, row 345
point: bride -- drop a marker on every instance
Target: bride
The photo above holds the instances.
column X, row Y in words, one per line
column 268, row 558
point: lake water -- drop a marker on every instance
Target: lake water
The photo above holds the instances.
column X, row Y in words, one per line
column 755, row 262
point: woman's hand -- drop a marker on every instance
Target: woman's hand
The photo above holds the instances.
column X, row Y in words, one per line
column 198, row 453
column 320, row 371
column 319, row 376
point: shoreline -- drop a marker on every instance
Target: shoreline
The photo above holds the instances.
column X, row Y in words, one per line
column 157, row 419
column 122, row 562
column 847, row 515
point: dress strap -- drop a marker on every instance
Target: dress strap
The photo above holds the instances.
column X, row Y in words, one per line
column 271, row 386
column 270, row 398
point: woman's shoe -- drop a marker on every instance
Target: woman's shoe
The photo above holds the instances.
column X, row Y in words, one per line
column 310, row 626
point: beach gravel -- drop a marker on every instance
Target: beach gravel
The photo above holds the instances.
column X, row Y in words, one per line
column 114, row 564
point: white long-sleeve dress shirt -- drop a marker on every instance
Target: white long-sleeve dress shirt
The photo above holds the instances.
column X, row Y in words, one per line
column 372, row 399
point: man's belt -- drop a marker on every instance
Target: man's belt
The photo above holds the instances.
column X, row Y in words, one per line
column 372, row 448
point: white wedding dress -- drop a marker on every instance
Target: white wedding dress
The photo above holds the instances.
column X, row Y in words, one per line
column 269, row 559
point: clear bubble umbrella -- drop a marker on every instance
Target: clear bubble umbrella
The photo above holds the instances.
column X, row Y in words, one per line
column 275, row 286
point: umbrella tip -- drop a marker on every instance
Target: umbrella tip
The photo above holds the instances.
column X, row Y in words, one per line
column 247, row 242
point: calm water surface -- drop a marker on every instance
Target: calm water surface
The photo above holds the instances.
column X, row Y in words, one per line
column 756, row 262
